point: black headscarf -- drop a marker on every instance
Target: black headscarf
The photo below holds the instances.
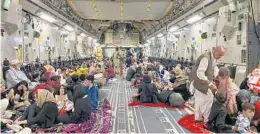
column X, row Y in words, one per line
column 15, row 88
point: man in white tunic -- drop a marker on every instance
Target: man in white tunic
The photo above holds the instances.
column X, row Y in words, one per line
column 202, row 76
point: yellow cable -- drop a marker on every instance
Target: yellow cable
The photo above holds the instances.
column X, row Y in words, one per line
column 95, row 8
column 121, row 10
column 148, row 8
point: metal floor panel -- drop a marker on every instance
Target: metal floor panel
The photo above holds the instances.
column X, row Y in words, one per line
column 139, row 119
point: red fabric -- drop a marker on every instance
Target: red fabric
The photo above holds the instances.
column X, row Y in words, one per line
column 62, row 110
column 41, row 86
column 137, row 103
column 187, row 121
column 254, row 80
column 257, row 110
column 111, row 72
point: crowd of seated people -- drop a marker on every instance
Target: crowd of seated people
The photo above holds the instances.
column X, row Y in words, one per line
column 234, row 110
column 56, row 95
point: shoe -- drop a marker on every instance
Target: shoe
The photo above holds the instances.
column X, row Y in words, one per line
column 14, row 127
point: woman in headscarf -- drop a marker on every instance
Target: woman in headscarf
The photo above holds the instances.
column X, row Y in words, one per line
column 82, row 109
column 46, row 111
column 19, row 95
column 148, row 92
column 225, row 84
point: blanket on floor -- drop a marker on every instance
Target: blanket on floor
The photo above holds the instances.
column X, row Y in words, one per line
column 163, row 105
column 99, row 122
column 187, row 121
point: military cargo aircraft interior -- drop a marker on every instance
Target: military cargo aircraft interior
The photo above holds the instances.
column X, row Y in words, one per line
column 130, row 66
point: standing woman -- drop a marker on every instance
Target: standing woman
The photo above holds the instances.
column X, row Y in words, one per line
column 43, row 114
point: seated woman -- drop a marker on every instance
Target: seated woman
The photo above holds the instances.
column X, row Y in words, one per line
column 43, row 112
column 225, row 84
column 147, row 92
column 82, row 109
column 92, row 91
column 61, row 97
column 19, row 96
column 4, row 102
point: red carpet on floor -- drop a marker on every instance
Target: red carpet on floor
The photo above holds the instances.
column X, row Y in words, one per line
column 163, row 105
column 187, row 121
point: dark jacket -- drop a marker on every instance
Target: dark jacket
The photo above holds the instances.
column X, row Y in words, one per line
column 148, row 91
column 216, row 122
column 92, row 92
column 130, row 74
column 244, row 85
column 46, row 116
column 82, row 107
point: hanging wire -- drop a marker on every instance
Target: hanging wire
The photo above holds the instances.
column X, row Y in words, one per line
column 95, row 8
column 121, row 10
column 148, row 8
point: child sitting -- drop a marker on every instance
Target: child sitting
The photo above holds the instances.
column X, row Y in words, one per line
column 216, row 122
column 244, row 119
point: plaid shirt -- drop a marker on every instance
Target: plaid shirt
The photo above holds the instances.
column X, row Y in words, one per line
column 243, row 124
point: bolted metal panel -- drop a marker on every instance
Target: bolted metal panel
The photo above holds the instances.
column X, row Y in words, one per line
column 253, row 47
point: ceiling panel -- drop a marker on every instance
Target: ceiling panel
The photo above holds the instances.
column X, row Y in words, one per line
column 132, row 9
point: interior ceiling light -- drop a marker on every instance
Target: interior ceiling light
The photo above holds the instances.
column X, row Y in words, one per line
column 153, row 38
column 89, row 38
column 194, row 19
column 173, row 28
column 69, row 28
column 47, row 17
column 160, row 35
column 64, row 32
column 83, row 35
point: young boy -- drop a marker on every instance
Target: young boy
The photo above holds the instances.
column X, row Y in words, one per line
column 218, row 113
column 244, row 119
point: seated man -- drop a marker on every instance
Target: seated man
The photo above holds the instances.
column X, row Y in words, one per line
column 92, row 91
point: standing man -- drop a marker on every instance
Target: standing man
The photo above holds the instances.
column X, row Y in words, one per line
column 117, row 59
column 202, row 75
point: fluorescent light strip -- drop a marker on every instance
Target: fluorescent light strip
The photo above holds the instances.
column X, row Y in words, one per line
column 160, row 35
column 47, row 17
column 69, row 28
column 194, row 19
column 83, row 35
column 173, row 28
